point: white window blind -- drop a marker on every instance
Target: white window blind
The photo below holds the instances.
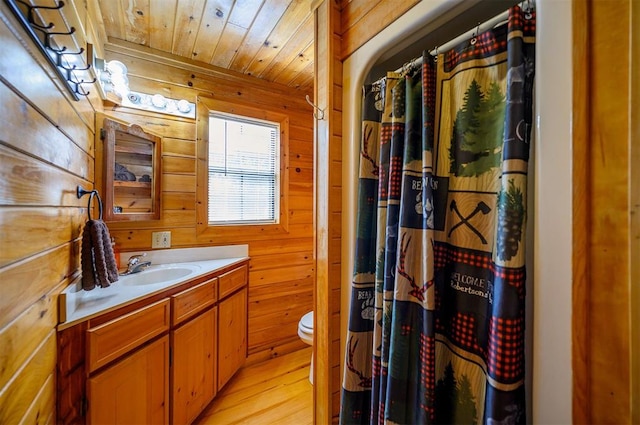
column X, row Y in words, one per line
column 244, row 165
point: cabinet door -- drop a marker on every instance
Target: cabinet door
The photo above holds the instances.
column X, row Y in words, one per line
column 130, row 171
column 134, row 390
column 232, row 335
column 194, row 367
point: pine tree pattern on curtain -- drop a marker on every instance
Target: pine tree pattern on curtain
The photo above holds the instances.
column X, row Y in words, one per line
column 436, row 326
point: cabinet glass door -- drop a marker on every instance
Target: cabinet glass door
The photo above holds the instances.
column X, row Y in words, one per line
column 131, row 173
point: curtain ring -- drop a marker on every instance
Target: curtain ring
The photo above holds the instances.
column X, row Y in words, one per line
column 527, row 11
column 435, row 57
column 406, row 68
column 474, row 39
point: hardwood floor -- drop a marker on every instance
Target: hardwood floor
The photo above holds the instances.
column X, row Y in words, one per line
column 275, row 392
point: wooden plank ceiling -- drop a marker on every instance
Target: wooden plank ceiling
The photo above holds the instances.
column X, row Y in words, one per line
column 268, row 39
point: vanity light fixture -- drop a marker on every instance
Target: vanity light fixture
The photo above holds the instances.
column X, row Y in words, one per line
column 159, row 103
column 115, row 85
column 112, row 79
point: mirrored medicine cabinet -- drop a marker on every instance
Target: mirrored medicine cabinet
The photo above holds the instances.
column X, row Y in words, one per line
column 130, row 170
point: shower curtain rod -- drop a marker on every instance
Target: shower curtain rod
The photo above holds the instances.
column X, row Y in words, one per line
column 480, row 28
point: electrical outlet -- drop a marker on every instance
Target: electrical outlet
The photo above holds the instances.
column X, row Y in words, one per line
column 161, row 240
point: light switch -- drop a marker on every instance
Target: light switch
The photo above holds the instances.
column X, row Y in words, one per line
column 161, row 240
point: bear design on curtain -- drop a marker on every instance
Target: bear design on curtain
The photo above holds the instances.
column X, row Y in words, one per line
column 436, row 326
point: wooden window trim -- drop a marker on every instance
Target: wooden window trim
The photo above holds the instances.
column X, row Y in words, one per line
column 230, row 233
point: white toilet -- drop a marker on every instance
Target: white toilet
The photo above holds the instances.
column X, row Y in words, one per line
column 305, row 331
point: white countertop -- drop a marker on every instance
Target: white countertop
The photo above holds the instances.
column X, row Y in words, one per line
column 185, row 264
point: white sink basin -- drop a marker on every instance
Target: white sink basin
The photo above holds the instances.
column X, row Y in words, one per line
column 155, row 276
column 169, row 267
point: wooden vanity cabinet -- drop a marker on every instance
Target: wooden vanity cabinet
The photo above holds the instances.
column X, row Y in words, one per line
column 160, row 360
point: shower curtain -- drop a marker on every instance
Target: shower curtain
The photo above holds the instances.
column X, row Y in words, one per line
column 436, row 325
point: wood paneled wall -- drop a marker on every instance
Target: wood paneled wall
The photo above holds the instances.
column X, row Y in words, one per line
column 46, row 150
column 282, row 268
column 361, row 20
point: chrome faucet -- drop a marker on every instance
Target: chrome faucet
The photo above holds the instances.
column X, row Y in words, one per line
column 135, row 265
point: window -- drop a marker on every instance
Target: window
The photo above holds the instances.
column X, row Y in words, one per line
column 213, row 229
column 243, row 170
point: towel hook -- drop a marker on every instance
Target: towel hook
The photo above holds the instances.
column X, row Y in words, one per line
column 80, row 192
column 317, row 115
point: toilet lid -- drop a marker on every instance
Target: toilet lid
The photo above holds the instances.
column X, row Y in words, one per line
column 307, row 321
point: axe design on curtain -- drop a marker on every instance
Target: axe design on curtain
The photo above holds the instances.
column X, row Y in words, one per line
column 436, row 326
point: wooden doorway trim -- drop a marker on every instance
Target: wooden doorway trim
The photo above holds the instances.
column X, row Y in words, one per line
column 603, row 185
column 635, row 213
column 580, row 173
column 327, row 212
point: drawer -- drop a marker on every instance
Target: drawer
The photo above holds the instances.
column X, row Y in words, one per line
column 231, row 281
column 119, row 336
column 193, row 300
